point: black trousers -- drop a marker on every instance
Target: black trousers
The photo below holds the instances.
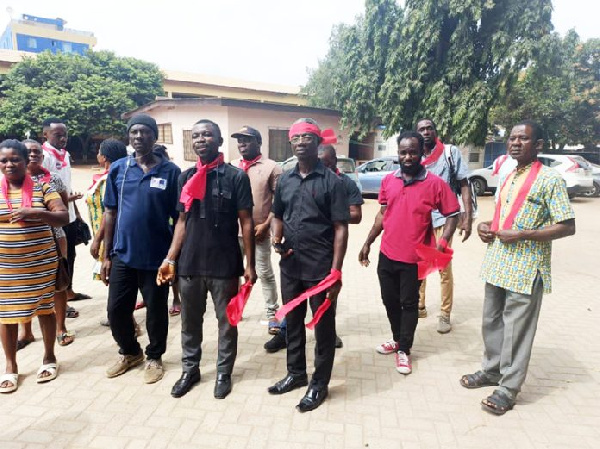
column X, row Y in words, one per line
column 296, row 332
column 400, row 293
column 122, row 294
column 71, row 232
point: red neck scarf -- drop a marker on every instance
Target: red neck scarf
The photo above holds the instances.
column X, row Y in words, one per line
column 195, row 188
column 435, row 154
column 338, row 172
column 501, row 160
column 60, row 155
column 44, row 177
column 97, row 177
column 246, row 164
column 26, row 192
column 519, row 200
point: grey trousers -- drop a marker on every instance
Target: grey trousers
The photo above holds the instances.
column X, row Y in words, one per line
column 509, row 325
column 264, row 271
column 194, row 291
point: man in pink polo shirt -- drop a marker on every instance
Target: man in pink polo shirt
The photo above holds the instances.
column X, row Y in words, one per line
column 407, row 198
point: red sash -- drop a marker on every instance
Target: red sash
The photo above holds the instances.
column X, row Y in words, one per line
column 97, row 177
column 330, row 280
column 501, row 160
column 430, row 259
column 26, row 192
column 236, row 305
column 518, row 203
column 46, row 176
column 60, row 157
column 438, row 150
column 245, row 165
column 195, row 188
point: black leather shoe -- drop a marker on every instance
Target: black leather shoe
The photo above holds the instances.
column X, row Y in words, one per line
column 312, row 399
column 222, row 386
column 185, row 383
column 276, row 343
column 289, row 383
column 338, row 342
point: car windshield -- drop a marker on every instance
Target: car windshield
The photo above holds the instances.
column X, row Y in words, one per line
column 346, row 165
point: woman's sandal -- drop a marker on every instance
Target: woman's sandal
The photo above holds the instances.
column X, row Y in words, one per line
column 50, row 368
column 497, row 403
column 476, row 380
column 13, row 378
column 175, row 310
column 66, row 338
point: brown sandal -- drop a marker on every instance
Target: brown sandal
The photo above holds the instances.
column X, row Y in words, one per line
column 66, row 338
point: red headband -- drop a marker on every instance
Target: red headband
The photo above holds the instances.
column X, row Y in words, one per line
column 328, row 135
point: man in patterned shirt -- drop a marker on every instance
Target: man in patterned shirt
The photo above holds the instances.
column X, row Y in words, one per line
column 532, row 210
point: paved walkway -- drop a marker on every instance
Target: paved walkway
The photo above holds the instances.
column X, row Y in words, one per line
column 371, row 405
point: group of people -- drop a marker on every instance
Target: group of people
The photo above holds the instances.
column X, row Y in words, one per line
column 217, row 222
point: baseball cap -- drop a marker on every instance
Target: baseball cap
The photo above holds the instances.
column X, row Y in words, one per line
column 248, row 131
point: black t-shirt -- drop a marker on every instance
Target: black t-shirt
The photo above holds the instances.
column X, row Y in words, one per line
column 308, row 208
column 352, row 191
column 211, row 245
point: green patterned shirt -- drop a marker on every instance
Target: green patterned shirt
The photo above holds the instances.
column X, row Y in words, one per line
column 514, row 266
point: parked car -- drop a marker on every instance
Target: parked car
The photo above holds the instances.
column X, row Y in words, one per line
column 596, row 188
column 371, row 173
column 344, row 164
column 575, row 170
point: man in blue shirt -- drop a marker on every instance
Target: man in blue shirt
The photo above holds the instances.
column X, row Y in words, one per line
column 141, row 208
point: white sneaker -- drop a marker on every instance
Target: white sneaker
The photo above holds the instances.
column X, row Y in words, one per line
column 444, row 325
column 388, row 347
column 403, row 363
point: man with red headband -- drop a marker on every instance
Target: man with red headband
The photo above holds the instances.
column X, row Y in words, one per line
column 310, row 232
column 205, row 254
column 263, row 173
column 532, row 210
column 446, row 162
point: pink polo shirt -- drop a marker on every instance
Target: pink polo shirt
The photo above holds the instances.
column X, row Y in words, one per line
column 407, row 219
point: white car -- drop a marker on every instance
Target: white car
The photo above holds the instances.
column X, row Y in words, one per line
column 575, row 170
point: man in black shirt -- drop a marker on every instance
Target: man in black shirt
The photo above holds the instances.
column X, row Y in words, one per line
column 310, row 232
column 214, row 195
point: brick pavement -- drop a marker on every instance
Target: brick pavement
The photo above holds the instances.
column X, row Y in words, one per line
column 370, row 405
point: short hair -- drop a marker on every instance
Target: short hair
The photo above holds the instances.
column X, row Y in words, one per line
column 412, row 135
column 536, row 128
column 113, row 149
column 312, row 121
column 327, row 149
column 215, row 127
column 26, row 141
column 15, row 144
column 423, row 119
column 51, row 121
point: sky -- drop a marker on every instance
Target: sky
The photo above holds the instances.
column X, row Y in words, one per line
column 271, row 41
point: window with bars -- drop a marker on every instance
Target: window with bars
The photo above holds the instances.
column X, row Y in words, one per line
column 279, row 145
column 165, row 133
column 188, row 149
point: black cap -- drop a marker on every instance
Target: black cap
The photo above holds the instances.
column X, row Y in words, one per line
column 250, row 132
column 143, row 119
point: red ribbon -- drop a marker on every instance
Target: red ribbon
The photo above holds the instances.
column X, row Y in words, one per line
column 338, row 172
column 97, row 177
column 236, row 305
column 431, row 259
column 46, row 176
column 26, row 192
column 331, row 279
column 195, row 188
column 327, row 136
column 498, row 163
column 245, row 164
column 518, row 203
column 435, row 154
column 59, row 156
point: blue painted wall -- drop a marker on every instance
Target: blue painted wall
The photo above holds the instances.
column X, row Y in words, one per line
column 24, row 43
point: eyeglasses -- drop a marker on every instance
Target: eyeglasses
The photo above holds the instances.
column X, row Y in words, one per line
column 303, row 137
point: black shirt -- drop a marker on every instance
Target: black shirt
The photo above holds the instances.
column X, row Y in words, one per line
column 308, row 207
column 352, row 191
column 211, row 245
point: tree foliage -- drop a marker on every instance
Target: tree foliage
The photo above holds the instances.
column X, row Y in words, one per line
column 89, row 92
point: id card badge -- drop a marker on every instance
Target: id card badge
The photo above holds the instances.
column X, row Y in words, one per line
column 158, row 183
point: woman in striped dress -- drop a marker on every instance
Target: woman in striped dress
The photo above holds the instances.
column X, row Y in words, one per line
column 28, row 259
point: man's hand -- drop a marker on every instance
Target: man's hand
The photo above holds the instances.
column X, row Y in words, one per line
column 509, row 236
column 465, row 227
column 105, row 271
column 95, row 248
column 250, row 275
column 278, row 248
column 334, row 291
column 75, row 196
column 485, row 233
column 363, row 256
column 165, row 274
column 261, row 232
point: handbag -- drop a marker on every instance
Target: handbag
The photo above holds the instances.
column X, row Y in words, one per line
column 82, row 232
column 62, row 270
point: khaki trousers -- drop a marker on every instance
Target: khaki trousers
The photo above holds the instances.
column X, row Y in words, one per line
column 447, row 281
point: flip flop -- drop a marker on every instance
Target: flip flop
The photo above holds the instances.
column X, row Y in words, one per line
column 13, row 378
column 71, row 312
column 80, row 296
column 51, row 368
column 175, row 310
column 497, row 403
column 68, row 336
column 23, row 343
column 139, row 305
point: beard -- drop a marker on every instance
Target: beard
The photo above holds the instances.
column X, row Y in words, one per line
column 411, row 170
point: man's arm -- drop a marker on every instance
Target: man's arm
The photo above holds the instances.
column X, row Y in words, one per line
column 376, row 229
column 355, row 213
column 109, row 231
column 545, row 234
column 449, row 228
column 247, row 224
column 167, row 271
column 466, row 222
column 340, row 244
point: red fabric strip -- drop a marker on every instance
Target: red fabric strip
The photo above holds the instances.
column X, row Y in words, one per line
column 518, row 203
column 501, row 160
column 236, row 305
column 195, row 188
column 60, row 156
column 26, row 192
column 245, row 164
column 430, row 259
column 328, row 136
column 97, row 177
column 330, row 280
column 304, row 128
column 438, row 150
column 319, row 313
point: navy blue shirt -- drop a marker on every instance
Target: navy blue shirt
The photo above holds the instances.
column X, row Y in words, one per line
column 308, row 208
column 146, row 205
